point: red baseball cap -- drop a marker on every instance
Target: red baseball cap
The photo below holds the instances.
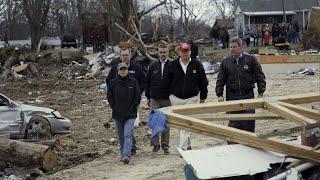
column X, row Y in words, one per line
column 184, row 47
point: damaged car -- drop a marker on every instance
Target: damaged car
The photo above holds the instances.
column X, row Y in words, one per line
column 26, row 121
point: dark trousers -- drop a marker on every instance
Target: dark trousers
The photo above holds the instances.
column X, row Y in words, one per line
column 248, row 125
column 248, row 42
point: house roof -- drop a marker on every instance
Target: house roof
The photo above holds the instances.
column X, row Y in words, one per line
column 275, row 5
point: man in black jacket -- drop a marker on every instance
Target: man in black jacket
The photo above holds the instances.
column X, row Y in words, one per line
column 156, row 97
column 186, row 82
column 135, row 71
column 124, row 97
column 239, row 73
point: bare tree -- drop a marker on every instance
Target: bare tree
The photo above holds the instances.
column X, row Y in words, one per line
column 10, row 11
column 36, row 12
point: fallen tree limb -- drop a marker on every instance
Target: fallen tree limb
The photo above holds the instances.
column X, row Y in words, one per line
column 134, row 27
column 23, row 154
column 126, row 32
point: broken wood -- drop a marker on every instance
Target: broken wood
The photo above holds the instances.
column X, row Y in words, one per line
column 23, row 154
column 177, row 118
column 20, row 68
column 237, row 117
column 310, row 113
column 126, row 32
column 213, row 107
column 51, row 142
column 286, row 113
column 134, row 27
column 243, row 137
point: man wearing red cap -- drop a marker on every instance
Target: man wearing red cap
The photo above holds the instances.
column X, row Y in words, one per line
column 187, row 83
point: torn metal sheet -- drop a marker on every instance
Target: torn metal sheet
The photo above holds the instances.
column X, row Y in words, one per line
column 230, row 160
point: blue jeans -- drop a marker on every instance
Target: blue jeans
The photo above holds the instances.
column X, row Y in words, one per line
column 125, row 134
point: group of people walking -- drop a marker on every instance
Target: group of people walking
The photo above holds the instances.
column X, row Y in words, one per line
column 175, row 82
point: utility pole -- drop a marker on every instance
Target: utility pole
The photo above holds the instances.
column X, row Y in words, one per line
column 284, row 12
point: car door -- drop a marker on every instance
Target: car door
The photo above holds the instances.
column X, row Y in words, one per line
column 10, row 117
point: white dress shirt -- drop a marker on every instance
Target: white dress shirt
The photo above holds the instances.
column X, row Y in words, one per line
column 184, row 66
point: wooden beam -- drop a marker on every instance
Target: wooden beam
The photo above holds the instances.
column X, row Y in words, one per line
column 243, row 137
column 286, row 113
column 310, row 113
column 271, row 59
column 299, row 98
column 213, row 107
column 238, row 117
column 289, row 131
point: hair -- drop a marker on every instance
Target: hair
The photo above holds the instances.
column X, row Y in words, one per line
column 125, row 49
column 236, row 40
column 162, row 45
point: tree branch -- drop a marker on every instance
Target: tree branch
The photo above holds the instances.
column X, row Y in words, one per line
column 125, row 31
column 144, row 12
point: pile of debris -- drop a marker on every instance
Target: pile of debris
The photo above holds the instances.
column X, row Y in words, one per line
column 18, row 62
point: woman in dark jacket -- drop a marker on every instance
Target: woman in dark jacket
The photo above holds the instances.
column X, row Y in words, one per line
column 124, row 98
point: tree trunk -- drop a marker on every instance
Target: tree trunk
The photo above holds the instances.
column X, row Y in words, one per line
column 17, row 153
column 35, row 36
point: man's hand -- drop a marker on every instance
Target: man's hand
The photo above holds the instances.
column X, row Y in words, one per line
column 260, row 95
column 220, row 99
column 202, row 100
column 148, row 102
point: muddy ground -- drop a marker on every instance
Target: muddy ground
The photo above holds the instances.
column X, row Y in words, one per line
column 92, row 153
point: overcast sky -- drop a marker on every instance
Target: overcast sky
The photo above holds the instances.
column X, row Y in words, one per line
column 203, row 9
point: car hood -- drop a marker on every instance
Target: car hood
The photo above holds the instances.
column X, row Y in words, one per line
column 31, row 110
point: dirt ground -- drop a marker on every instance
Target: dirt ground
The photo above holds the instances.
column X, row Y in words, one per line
column 91, row 150
column 93, row 154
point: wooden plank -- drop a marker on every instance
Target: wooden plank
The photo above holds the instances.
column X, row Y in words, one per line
column 213, row 107
column 310, row 113
column 286, row 113
column 289, row 131
column 20, row 68
column 299, row 98
column 238, row 117
column 243, row 137
column 271, row 59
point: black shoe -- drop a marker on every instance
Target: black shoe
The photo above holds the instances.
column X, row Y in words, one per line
column 189, row 148
column 166, row 151
column 125, row 161
column 133, row 152
column 156, row 148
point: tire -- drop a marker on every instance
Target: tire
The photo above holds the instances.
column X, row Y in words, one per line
column 38, row 127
